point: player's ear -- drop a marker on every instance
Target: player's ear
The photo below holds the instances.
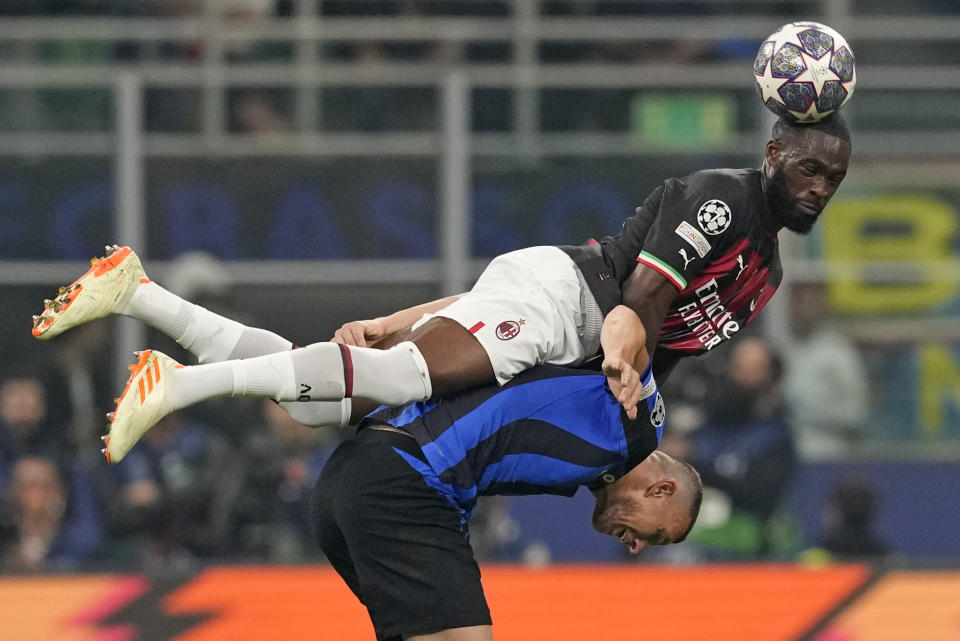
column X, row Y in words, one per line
column 662, row 488
column 772, row 152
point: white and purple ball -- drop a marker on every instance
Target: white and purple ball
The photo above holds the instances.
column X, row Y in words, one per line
column 805, row 71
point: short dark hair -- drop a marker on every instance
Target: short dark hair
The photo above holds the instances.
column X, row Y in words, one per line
column 693, row 481
column 833, row 125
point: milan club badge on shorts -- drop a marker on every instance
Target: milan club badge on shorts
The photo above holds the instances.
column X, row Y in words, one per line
column 714, row 217
column 508, row 329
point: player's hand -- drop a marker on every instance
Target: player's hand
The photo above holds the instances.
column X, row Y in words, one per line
column 360, row 333
column 624, row 382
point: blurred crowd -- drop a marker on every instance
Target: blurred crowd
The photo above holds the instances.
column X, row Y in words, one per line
column 272, row 110
column 193, row 491
column 275, row 110
column 230, row 480
column 259, row 111
column 748, row 419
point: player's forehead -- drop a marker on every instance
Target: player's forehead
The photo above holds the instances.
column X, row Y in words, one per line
column 812, row 140
column 817, row 146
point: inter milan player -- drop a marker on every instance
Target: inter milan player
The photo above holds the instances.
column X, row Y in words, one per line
column 696, row 263
column 390, row 509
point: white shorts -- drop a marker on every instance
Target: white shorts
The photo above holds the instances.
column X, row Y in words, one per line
column 529, row 307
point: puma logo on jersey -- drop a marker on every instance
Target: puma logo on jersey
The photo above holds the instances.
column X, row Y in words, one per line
column 742, row 266
column 683, row 255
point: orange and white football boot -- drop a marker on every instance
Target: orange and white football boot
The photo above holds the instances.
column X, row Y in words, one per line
column 145, row 400
column 104, row 289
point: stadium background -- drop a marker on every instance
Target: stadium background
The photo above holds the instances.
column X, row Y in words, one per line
column 300, row 163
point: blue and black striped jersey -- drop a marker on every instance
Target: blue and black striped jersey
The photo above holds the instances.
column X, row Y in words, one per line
column 547, row 431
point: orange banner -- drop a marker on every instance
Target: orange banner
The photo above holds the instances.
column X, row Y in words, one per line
column 904, row 605
column 702, row 603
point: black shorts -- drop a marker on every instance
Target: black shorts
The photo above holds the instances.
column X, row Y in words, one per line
column 400, row 546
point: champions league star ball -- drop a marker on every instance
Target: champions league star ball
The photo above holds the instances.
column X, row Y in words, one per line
column 805, row 71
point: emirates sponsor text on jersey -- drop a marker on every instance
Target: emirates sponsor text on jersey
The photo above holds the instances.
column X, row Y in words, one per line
column 707, row 318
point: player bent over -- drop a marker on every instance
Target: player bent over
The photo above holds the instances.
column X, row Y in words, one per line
column 390, row 508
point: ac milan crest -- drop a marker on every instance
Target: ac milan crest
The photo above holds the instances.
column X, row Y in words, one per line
column 508, row 329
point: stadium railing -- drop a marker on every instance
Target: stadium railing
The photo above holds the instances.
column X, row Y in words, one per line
column 907, row 127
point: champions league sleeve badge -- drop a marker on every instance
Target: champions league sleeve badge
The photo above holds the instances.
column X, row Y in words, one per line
column 714, row 217
column 659, row 413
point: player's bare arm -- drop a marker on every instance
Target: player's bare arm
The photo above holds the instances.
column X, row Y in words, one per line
column 649, row 294
column 623, row 341
column 372, row 332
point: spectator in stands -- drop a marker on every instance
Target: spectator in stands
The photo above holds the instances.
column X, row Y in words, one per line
column 743, row 448
column 35, row 463
column 23, row 427
column 78, row 379
column 176, row 493
column 255, row 112
column 826, row 383
column 166, row 108
column 495, row 535
column 262, row 111
column 849, row 520
column 46, row 524
column 611, row 109
column 282, row 462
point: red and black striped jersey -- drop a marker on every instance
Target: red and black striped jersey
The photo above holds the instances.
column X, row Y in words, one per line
column 712, row 235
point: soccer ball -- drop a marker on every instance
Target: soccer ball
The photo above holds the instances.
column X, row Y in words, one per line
column 805, row 71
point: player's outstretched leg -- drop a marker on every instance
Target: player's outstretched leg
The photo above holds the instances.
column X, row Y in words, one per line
column 325, row 372
column 104, row 289
column 117, row 284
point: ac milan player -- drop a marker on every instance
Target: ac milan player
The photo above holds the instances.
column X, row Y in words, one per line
column 696, row 262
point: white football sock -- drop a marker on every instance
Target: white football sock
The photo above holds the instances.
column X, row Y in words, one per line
column 393, row 376
column 331, row 372
column 200, row 383
column 268, row 376
column 320, row 413
column 208, row 336
column 318, row 372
